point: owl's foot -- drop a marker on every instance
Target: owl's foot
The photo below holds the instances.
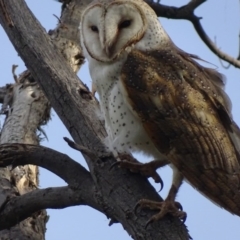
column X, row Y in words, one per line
column 169, row 206
column 146, row 169
column 165, row 207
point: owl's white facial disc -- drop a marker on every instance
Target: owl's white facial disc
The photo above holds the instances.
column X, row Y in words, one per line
column 109, row 30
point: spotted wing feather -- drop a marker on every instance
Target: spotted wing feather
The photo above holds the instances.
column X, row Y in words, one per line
column 186, row 113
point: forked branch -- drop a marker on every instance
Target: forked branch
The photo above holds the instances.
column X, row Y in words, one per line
column 186, row 12
column 81, row 189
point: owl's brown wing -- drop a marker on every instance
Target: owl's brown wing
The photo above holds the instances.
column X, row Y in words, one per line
column 186, row 113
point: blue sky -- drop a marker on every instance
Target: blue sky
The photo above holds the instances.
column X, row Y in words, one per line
column 205, row 220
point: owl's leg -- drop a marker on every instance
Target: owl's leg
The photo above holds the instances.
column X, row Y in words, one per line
column 169, row 206
column 145, row 169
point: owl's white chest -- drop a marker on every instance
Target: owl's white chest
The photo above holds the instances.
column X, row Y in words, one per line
column 124, row 128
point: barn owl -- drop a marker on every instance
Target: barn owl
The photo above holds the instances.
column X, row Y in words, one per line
column 156, row 99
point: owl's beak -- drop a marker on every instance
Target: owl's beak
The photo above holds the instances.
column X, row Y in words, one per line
column 109, row 47
column 111, row 35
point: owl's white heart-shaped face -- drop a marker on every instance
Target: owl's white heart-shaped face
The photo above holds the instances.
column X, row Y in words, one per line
column 109, row 29
column 112, row 28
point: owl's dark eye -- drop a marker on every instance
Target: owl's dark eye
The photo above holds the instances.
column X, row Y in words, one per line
column 94, row 28
column 125, row 24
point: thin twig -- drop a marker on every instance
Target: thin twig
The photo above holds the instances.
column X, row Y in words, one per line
column 221, row 62
column 59, row 20
column 80, row 148
column 14, row 74
column 86, row 151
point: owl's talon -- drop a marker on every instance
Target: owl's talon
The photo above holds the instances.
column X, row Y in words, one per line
column 162, row 184
column 178, row 206
column 147, row 169
column 136, row 207
column 165, row 207
column 113, row 165
column 183, row 219
column 149, row 222
column 123, row 158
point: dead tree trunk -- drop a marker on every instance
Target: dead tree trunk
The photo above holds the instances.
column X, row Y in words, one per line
column 26, row 109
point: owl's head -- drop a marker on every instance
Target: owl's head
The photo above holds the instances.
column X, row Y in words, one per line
column 110, row 27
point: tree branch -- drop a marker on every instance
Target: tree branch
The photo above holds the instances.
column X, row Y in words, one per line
column 222, row 55
column 186, row 12
column 80, row 191
column 21, row 207
column 183, row 12
column 17, row 154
